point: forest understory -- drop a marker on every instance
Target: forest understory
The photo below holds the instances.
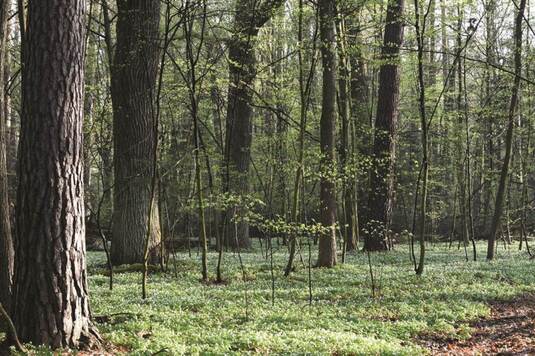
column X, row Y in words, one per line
column 457, row 307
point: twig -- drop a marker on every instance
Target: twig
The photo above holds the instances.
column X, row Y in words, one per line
column 12, row 331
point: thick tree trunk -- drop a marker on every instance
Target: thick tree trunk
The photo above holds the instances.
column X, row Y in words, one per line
column 51, row 304
column 7, row 257
column 250, row 16
column 242, row 71
column 381, row 193
column 327, row 242
column 133, row 83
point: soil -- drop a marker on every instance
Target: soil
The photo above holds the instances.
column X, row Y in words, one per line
column 508, row 330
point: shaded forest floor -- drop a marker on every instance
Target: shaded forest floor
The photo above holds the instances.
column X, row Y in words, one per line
column 509, row 329
column 456, row 307
column 182, row 315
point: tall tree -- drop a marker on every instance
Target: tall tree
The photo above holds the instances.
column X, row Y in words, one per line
column 51, row 304
column 344, row 109
column 250, row 16
column 420, row 32
column 7, row 257
column 381, row 193
column 133, row 83
column 327, row 242
column 500, row 195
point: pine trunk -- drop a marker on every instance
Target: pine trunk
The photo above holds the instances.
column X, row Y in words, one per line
column 51, row 303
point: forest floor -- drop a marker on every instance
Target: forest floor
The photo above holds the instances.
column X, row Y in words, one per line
column 456, row 307
column 509, row 329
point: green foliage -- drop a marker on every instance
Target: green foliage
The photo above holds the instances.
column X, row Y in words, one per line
column 183, row 315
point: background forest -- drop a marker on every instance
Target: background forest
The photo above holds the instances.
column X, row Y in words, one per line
column 258, row 127
column 245, row 142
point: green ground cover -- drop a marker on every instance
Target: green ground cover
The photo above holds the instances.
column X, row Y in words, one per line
column 182, row 315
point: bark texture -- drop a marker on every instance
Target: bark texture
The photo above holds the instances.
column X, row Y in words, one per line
column 7, row 256
column 51, row 303
column 381, row 194
column 134, row 74
column 327, row 242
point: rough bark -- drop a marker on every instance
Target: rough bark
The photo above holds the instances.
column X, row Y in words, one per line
column 327, row 241
column 133, row 82
column 250, row 16
column 381, row 193
column 51, row 303
column 7, row 257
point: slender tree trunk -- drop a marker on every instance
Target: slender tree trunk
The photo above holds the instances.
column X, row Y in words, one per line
column 381, row 193
column 90, row 79
column 134, row 74
column 305, row 82
column 344, row 109
column 51, row 304
column 193, row 83
column 498, row 207
column 7, row 256
column 327, row 242
column 490, row 55
column 420, row 31
column 460, row 159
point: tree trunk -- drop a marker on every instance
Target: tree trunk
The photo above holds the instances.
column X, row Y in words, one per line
column 346, row 156
column 250, row 16
column 51, row 304
column 134, row 73
column 242, row 71
column 90, row 78
column 381, row 193
column 498, row 207
column 420, row 32
column 7, row 256
column 327, row 242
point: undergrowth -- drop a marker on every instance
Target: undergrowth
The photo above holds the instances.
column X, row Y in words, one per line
column 183, row 315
